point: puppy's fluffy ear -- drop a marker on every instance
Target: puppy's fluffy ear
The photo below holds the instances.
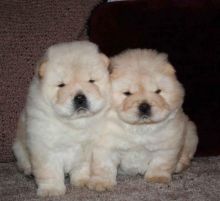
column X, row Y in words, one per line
column 41, row 68
column 169, row 69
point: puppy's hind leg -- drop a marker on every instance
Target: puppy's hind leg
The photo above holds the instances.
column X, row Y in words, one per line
column 161, row 166
column 20, row 148
column 189, row 147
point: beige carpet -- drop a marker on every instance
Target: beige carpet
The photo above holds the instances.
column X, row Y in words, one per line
column 199, row 183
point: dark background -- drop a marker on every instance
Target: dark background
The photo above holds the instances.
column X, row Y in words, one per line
column 189, row 31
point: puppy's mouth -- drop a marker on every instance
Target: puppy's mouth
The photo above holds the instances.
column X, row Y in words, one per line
column 82, row 110
column 145, row 120
column 144, row 117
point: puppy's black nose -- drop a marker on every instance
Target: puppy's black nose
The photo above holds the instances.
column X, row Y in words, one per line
column 80, row 101
column 144, row 109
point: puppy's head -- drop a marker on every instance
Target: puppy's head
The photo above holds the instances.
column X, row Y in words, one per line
column 73, row 78
column 145, row 88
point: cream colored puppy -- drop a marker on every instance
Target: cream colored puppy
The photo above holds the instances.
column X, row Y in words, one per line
column 147, row 131
column 66, row 103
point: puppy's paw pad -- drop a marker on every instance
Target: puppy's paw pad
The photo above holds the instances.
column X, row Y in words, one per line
column 101, row 185
column 50, row 191
column 158, row 179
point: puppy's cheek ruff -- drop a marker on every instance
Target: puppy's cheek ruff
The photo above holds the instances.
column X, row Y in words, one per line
column 97, row 101
column 176, row 103
column 159, row 114
column 126, row 106
column 47, row 93
column 65, row 110
column 130, row 116
column 159, row 101
column 96, row 105
column 130, row 102
column 51, row 95
column 174, row 99
column 170, row 104
column 60, row 96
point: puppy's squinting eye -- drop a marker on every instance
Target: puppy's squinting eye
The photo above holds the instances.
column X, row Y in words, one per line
column 127, row 93
column 61, row 85
column 91, row 81
column 158, row 91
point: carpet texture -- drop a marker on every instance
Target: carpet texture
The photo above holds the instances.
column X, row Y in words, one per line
column 27, row 28
column 201, row 182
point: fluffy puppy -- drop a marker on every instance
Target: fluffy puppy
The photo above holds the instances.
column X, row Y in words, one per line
column 66, row 103
column 147, row 131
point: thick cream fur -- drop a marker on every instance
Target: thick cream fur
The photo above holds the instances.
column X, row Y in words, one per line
column 155, row 146
column 52, row 137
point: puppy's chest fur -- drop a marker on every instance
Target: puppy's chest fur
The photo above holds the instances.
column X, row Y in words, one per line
column 149, row 137
column 65, row 143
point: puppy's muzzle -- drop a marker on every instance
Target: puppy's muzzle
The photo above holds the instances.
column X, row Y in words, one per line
column 144, row 110
column 80, row 102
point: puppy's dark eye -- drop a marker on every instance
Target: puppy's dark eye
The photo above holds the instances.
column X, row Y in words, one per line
column 61, row 85
column 127, row 93
column 91, row 81
column 158, row 91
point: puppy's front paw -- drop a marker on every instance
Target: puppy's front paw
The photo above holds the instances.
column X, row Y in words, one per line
column 80, row 182
column 159, row 178
column 51, row 190
column 101, row 184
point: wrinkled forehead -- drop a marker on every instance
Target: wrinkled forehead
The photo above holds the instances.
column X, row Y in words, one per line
column 72, row 66
column 133, row 81
column 75, row 60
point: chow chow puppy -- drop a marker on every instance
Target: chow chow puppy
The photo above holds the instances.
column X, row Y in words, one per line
column 66, row 103
column 147, row 131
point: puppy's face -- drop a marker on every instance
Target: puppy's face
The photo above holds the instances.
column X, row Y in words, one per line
column 145, row 89
column 74, row 79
